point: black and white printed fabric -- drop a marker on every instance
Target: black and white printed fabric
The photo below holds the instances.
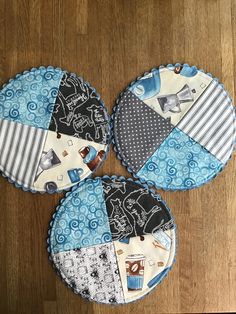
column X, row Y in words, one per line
column 54, row 130
column 102, row 261
column 93, row 272
column 78, row 111
column 132, row 211
column 175, row 127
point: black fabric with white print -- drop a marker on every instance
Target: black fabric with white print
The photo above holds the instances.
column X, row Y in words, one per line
column 78, row 111
column 132, row 211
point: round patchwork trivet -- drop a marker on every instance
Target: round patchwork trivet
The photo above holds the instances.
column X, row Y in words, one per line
column 174, row 127
column 54, row 130
column 112, row 240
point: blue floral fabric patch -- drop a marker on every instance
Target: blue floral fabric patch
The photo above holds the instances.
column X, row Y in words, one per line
column 30, row 97
column 180, row 163
column 82, row 219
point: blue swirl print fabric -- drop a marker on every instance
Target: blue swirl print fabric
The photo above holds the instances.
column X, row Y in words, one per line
column 30, row 97
column 54, row 130
column 82, row 219
column 182, row 126
column 180, row 163
column 107, row 254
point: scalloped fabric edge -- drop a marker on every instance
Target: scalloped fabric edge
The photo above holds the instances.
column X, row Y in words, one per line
column 102, row 105
column 118, row 154
column 121, row 178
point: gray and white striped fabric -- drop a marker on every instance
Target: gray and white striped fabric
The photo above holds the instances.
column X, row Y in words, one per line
column 211, row 122
column 20, row 150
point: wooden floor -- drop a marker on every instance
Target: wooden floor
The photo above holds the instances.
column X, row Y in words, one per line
column 110, row 43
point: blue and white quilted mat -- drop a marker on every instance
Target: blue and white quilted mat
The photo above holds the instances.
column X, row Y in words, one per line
column 174, row 128
column 54, row 130
column 112, row 240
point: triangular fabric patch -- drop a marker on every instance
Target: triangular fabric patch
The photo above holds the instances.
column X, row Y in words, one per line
column 180, row 163
column 139, row 130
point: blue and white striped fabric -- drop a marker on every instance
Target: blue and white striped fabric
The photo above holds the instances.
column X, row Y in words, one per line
column 20, row 150
column 54, row 130
column 201, row 133
column 211, row 122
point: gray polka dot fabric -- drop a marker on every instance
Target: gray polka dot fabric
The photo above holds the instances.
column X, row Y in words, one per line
column 138, row 130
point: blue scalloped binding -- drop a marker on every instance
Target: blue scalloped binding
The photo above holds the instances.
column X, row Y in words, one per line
column 121, row 178
column 102, row 105
column 119, row 154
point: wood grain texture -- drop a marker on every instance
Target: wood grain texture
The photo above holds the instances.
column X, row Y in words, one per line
column 109, row 43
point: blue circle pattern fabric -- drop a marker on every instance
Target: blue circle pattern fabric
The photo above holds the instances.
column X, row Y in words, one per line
column 175, row 127
column 111, row 240
column 54, row 130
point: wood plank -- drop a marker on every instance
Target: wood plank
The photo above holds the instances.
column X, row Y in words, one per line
column 110, row 43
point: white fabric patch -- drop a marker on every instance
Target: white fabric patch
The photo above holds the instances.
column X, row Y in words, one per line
column 142, row 261
column 92, row 272
column 65, row 161
column 173, row 84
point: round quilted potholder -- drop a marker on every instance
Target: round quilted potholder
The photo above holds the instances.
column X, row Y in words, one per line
column 174, row 127
column 112, row 240
column 54, row 130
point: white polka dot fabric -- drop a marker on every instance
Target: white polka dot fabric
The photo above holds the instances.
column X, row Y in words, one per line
column 146, row 128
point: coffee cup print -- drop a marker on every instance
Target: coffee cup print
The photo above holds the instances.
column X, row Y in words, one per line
column 162, row 240
column 148, row 86
column 135, row 271
column 74, row 174
column 47, row 117
column 104, row 258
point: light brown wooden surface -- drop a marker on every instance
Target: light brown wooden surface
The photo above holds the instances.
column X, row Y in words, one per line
column 109, row 43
